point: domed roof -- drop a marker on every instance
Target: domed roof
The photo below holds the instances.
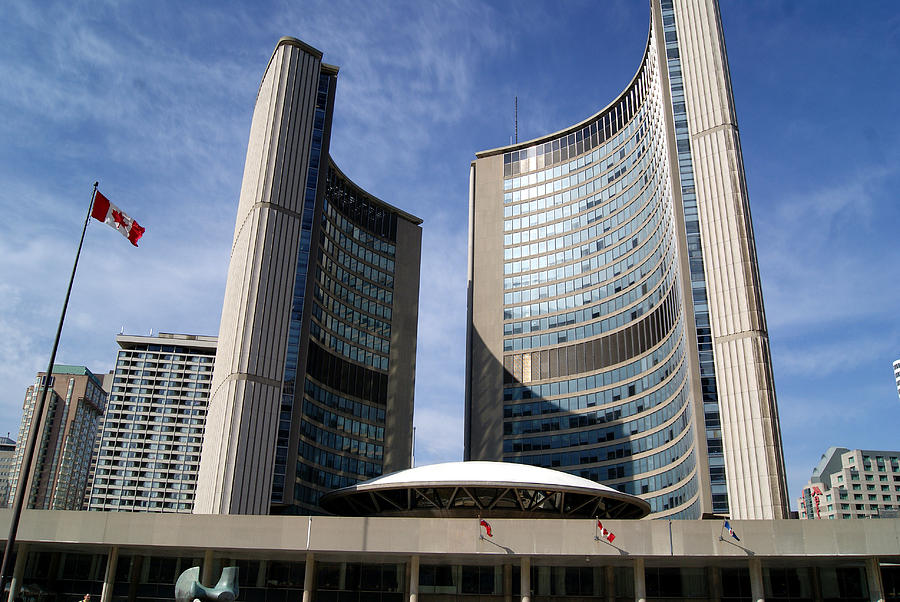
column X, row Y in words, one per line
column 499, row 489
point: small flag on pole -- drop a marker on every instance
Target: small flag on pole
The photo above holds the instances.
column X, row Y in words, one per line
column 605, row 533
column 487, row 528
column 112, row 216
column 731, row 531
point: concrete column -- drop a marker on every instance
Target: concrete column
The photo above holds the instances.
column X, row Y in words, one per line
column 507, row 583
column 715, row 583
column 525, row 579
column 261, row 573
column 109, row 577
column 873, row 576
column 610, row 574
column 414, row 578
column 640, row 581
column 757, row 590
column 207, row 573
column 308, row 576
column 18, row 571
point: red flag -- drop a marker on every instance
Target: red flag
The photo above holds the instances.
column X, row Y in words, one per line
column 114, row 217
column 487, row 527
column 605, row 533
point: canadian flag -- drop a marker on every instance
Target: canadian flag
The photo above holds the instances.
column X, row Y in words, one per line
column 605, row 532
column 114, row 217
column 487, row 528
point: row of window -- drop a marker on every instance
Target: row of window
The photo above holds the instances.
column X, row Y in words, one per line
column 346, row 349
column 348, row 243
column 351, row 407
column 647, row 273
column 571, row 461
column 648, row 442
column 369, row 306
column 606, row 150
column 565, row 204
column 659, row 224
column 350, row 316
column 595, row 381
column 340, row 443
column 354, row 281
column 341, row 423
column 625, row 223
column 591, row 329
column 607, row 126
column 650, row 251
column 357, row 266
column 355, row 469
column 594, row 354
column 595, row 419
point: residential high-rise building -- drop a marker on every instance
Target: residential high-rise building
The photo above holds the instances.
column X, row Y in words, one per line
column 855, row 483
column 72, row 414
column 616, row 321
column 7, row 462
column 149, row 451
column 897, row 375
column 315, row 367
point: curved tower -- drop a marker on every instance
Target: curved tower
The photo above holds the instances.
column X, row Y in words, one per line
column 616, row 324
column 315, row 364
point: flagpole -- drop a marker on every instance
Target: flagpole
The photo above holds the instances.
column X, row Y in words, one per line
column 37, row 419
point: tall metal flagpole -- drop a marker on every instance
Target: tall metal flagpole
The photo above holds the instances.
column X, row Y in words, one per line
column 37, row 419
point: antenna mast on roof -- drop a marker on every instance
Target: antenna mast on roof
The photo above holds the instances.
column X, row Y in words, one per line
column 516, row 117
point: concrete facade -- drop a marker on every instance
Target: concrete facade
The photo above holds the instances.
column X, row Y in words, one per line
column 852, row 484
column 149, row 451
column 71, row 418
column 897, row 375
column 315, row 367
column 7, row 464
column 136, row 557
column 616, row 324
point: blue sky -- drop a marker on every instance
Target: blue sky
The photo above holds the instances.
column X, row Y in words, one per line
column 154, row 100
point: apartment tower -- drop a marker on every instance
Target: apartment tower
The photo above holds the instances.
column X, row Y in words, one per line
column 616, row 321
column 315, row 366
column 149, row 451
column 71, row 417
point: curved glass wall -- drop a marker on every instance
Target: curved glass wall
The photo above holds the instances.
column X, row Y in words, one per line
column 596, row 381
column 342, row 430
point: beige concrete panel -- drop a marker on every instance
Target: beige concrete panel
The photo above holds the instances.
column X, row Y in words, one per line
column 750, row 428
column 455, row 540
column 402, row 362
column 751, row 435
column 485, row 405
column 236, row 465
column 704, row 63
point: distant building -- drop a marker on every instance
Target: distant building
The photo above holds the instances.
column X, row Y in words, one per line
column 107, row 386
column 853, row 484
column 7, row 457
column 897, row 375
column 150, row 446
column 62, row 454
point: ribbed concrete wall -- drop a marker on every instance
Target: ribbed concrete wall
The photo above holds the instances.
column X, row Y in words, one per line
column 239, row 443
column 751, row 431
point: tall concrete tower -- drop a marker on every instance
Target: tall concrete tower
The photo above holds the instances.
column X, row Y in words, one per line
column 315, row 364
column 616, row 322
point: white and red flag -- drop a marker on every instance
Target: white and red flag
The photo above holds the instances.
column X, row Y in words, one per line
column 605, row 533
column 114, row 217
column 487, row 528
